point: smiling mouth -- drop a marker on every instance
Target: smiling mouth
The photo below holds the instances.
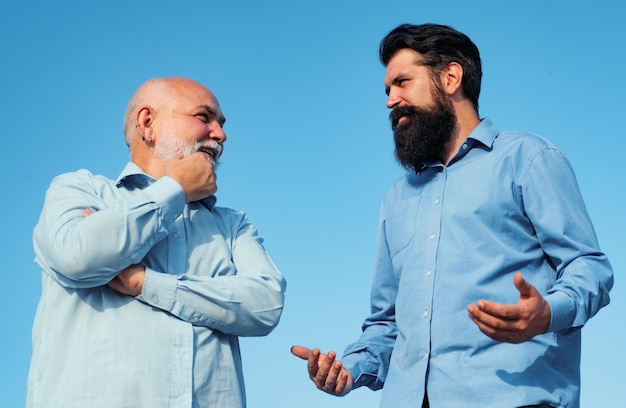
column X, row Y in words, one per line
column 214, row 151
column 208, row 151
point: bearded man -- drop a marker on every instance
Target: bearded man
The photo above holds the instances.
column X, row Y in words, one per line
column 147, row 284
column 487, row 264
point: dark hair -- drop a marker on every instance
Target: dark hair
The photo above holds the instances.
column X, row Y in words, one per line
column 439, row 45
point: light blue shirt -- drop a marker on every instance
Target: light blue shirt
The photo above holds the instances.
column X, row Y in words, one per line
column 208, row 280
column 449, row 236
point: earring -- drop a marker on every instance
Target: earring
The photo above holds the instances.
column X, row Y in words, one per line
column 143, row 136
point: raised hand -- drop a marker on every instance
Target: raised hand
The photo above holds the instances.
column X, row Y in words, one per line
column 513, row 323
column 327, row 373
column 195, row 173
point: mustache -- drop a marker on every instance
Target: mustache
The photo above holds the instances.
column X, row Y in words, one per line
column 400, row 111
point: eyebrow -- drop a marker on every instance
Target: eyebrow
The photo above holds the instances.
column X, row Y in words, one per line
column 394, row 81
column 220, row 118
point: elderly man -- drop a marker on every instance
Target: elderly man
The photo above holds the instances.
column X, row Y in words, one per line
column 487, row 264
column 147, row 284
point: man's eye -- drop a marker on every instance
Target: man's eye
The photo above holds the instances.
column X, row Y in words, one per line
column 203, row 116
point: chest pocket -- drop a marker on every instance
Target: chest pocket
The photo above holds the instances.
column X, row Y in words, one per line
column 400, row 226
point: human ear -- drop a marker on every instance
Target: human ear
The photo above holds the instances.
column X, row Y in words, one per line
column 144, row 120
column 452, row 78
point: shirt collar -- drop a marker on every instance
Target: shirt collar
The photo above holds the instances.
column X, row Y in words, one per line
column 485, row 134
column 133, row 175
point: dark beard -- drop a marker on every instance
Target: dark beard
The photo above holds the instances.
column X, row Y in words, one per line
column 423, row 137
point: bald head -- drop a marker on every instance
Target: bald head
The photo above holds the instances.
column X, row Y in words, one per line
column 172, row 118
column 159, row 94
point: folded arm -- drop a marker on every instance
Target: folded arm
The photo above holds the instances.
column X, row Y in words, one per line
column 246, row 303
column 84, row 252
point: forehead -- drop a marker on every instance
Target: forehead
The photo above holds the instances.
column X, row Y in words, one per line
column 404, row 62
column 190, row 94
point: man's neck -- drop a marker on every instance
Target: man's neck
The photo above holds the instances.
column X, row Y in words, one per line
column 466, row 122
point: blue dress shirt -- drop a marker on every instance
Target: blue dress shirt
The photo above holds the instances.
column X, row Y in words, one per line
column 449, row 236
column 208, row 280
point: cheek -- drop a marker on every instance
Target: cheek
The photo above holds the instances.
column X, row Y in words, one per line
column 190, row 132
column 419, row 95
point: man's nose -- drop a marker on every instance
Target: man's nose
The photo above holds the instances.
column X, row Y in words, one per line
column 216, row 132
column 392, row 100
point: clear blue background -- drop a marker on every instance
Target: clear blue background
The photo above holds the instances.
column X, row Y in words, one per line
column 310, row 153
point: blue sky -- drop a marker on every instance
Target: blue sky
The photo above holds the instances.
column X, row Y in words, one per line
column 310, row 153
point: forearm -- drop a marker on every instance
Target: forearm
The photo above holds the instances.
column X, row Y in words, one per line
column 368, row 358
column 87, row 252
column 233, row 287
column 246, row 304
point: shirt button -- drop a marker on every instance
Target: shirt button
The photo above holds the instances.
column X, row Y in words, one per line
column 425, row 313
column 183, row 352
column 464, row 146
column 428, row 273
column 432, row 236
column 425, row 356
column 437, row 201
column 155, row 299
column 176, row 235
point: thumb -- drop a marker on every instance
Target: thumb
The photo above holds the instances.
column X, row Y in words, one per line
column 302, row 352
column 525, row 289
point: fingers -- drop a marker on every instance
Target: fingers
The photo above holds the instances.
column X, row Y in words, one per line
column 313, row 357
column 301, row 352
column 331, row 376
column 513, row 323
column 342, row 384
column 326, row 372
column 312, row 364
column 494, row 312
column 324, row 369
column 494, row 327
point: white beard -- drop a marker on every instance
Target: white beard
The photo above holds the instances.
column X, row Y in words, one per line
column 170, row 147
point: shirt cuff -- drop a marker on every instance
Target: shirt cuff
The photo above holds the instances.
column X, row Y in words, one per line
column 158, row 289
column 170, row 197
column 362, row 371
column 562, row 311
